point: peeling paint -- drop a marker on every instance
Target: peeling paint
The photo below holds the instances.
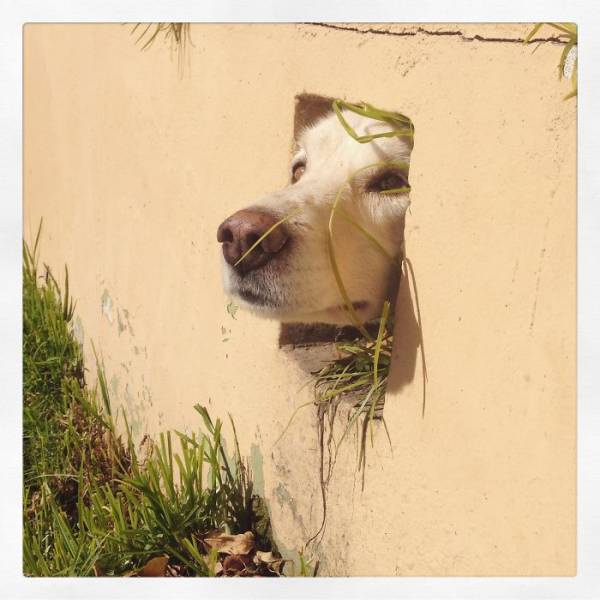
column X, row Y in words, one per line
column 78, row 331
column 135, row 413
column 570, row 62
column 284, row 498
column 122, row 327
column 256, row 464
column 114, row 385
column 147, row 396
column 106, row 305
column 126, row 314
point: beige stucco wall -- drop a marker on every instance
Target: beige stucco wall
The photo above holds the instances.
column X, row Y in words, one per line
column 132, row 169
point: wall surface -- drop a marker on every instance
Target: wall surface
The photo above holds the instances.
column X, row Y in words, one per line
column 132, row 168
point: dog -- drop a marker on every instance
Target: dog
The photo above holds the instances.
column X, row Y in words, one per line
column 289, row 276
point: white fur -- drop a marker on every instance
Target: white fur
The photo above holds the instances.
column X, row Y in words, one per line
column 299, row 285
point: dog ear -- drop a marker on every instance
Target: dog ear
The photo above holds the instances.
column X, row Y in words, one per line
column 309, row 109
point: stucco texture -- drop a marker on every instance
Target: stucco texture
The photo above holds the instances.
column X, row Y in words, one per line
column 132, row 168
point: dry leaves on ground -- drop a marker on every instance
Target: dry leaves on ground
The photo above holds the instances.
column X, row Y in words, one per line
column 236, row 556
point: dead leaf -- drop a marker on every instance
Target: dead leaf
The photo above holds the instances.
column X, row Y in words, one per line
column 277, row 566
column 268, row 562
column 174, row 571
column 235, row 565
column 242, row 543
column 265, row 557
column 155, row 567
column 98, row 571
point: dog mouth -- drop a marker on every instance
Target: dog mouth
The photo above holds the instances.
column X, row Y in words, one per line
column 264, row 290
column 256, row 298
column 261, row 299
column 256, row 289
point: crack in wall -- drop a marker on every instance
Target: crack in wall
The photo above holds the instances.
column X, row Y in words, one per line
column 422, row 30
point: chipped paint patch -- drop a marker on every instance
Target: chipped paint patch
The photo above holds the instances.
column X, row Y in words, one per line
column 78, row 333
column 570, row 62
column 114, row 386
column 284, row 498
column 126, row 314
column 135, row 413
column 120, row 324
column 232, row 308
column 256, row 465
column 225, row 332
column 147, row 396
column 106, row 305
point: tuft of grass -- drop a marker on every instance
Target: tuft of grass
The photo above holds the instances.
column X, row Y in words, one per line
column 568, row 33
column 177, row 35
column 55, row 402
column 92, row 504
column 162, row 505
column 364, row 367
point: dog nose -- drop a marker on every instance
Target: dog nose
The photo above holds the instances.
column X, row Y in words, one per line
column 243, row 229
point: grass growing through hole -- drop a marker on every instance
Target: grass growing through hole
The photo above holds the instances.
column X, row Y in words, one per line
column 92, row 505
column 361, row 374
column 364, row 367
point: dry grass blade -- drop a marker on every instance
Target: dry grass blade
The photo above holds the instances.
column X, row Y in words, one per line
column 178, row 35
column 530, row 35
column 291, row 420
column 401, row 125
column 358, row 323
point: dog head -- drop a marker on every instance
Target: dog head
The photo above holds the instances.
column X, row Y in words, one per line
column 288, row 275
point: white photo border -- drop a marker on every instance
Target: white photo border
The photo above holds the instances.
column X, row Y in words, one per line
column 587, row 582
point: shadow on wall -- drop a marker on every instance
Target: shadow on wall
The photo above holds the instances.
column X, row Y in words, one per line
column 407, row 339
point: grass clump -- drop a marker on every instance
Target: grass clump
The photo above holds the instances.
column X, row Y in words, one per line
column 93, row 504
column 63, row 428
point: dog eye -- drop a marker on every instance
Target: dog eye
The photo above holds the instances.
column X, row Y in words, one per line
column 387, row 181
column 298, row 171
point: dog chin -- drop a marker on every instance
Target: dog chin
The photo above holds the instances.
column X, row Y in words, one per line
column 266, row 307
column 262, row 294
column 251, row 290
